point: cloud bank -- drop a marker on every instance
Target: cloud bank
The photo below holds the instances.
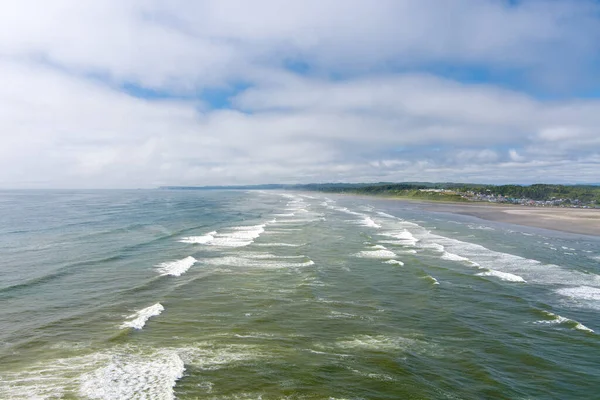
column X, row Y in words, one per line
column 129, row 94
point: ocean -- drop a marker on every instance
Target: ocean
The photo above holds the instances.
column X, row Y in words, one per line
column 167, row 294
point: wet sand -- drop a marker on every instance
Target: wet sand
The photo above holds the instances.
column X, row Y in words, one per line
column 572, row 220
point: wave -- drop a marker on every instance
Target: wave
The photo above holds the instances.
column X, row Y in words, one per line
column 262, row 256
column 130, row 376
column 249, row 262
column 431, row 279
column 586, row 296
column 239, row 236
column 404, row 237
column 35, row 281
column 280, row 244
column 138, row 320
column 394, row 262
column 453, row 257
column 386, row 215
column 368, row 221
column 480, row 227
column 176, row 268
column 199, row 239
column 121, row 372
column 557, row 319
column 505, row 276
column 375, row 254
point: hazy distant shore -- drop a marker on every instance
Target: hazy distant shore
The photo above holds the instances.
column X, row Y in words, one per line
column 572, row 220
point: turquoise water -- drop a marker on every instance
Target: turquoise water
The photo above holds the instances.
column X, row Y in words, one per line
column 267, row 295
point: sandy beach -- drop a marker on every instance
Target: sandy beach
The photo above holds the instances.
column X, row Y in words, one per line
column 572, row 220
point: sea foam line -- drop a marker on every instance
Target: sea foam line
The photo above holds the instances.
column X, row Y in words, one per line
column 252, row 262
column 138, row 320
column 176, row 268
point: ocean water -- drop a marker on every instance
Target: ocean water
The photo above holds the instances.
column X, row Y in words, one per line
column 283, row 295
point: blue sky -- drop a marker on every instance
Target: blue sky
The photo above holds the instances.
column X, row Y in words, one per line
column 140, row 94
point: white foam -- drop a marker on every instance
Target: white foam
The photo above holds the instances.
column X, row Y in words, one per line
column 368, row 221
column 262, row 256
column 138, row 320
column 121, row 372
column 176, row 268
column 453, row 257
column 378, row 246
column 199, row 239
column 394, row 262
column 581, row 292
column 557, row 319
column 379, row 343
column 279, row 244
column 346, row 210
column 582, row 327
column 376, row 254
column 404, row 237
column 481, row 227
column 530, row 270
column 505, row 276
column 432, row 279
column 386, row 215
column 433, row 246
column 238, row 236
column 244, row 262
column 133, row 376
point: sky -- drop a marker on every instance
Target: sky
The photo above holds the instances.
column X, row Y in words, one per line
column 144, row 93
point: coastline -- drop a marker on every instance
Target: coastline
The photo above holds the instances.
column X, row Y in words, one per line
column 579, row 221
column 570, row 220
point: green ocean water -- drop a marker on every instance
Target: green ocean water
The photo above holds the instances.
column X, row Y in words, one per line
column 284, row 295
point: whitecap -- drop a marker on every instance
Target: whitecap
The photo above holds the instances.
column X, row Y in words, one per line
column 404, row 237
column 138, row 320
column 176, row 268
column 280, row 244
column 453, row 257
column 375, row 254
column 368, row 221
column 239, row 236
column 557, row 319
column 199, row 239
column 505, row 276
column 386, row 215
column 394, row 262
column 581, row 292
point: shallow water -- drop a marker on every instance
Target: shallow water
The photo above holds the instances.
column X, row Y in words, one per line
column 244, row 295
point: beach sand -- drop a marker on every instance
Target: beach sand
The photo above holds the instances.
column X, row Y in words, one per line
column 572, row 220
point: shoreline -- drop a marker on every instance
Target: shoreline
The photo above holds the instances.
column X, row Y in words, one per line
column 580, row 221
column 571, row 220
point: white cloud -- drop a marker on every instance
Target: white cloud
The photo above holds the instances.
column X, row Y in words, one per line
column 64, row 122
